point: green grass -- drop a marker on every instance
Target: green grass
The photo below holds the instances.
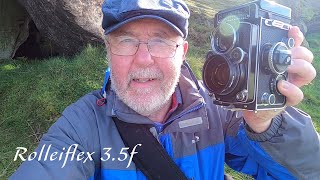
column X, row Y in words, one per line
column 311, row 102
column 33, row 93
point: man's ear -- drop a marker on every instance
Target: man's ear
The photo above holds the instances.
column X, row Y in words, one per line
column 185, row 49
column 106, row 42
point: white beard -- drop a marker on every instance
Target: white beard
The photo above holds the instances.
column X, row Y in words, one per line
column 140, row 100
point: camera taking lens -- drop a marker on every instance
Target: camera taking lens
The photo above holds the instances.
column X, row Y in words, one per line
column 221, row 76
column 250, row 55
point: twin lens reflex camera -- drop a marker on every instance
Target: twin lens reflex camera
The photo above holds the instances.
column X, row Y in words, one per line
column 250, row 54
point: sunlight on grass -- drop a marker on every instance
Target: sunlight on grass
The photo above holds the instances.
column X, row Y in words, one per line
column 8, row 67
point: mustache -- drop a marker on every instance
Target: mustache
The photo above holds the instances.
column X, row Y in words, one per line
column 146, row 73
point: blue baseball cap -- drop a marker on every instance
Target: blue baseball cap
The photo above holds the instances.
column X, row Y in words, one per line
column 116, row 13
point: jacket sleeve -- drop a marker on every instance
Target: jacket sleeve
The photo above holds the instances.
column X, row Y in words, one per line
column 63, row 152
column 289, row 149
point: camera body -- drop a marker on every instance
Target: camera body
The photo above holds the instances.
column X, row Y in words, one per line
column 250, row 54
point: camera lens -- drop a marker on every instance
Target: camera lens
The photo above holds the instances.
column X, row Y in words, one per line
column 224, row 38
column 219, row 76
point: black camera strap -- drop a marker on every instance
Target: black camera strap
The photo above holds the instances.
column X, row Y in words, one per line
column 151, row 159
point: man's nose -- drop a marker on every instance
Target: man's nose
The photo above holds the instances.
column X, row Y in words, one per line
column 143, row 56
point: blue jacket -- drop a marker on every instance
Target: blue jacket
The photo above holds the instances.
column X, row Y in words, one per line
column 199, row 136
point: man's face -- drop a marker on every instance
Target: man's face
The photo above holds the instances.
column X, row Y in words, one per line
column 144, row 82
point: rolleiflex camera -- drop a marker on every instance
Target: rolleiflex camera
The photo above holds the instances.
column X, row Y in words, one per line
column 250, row 54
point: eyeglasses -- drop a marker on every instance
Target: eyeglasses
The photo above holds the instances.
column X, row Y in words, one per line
column 157, row 47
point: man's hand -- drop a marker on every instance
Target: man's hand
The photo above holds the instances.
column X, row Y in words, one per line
column 301, row 72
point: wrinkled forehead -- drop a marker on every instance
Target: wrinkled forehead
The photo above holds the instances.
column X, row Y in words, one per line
column 146, row 27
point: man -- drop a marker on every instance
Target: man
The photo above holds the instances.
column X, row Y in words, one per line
column 152, row 84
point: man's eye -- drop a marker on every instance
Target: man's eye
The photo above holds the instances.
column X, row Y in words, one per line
column 159, row 40
column 162, row 41
column 126, row 40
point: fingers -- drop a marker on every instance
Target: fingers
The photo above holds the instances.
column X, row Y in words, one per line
column 301, row 72
column 293, row 93
column 302, row 53
column 296, row 34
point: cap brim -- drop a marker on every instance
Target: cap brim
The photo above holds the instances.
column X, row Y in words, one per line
column 114, row 27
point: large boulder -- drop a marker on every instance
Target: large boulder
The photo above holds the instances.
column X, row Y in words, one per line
column 14, row 21
column 68, row 24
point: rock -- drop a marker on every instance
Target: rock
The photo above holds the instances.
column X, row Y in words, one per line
column 36, row 46
column 68, row 24
column 14, row 21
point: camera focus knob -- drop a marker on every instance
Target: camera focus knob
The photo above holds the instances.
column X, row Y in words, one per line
column 268, row 99
column 279, row 58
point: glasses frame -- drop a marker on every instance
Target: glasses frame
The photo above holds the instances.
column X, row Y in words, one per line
column 148, row 47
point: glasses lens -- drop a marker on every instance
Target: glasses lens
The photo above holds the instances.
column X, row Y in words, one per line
column 124, row 46
column 162, row 48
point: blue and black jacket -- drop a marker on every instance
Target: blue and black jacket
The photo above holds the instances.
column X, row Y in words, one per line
column 199, row 136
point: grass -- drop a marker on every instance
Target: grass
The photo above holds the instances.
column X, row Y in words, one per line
column 33, row 93
column 311, row 100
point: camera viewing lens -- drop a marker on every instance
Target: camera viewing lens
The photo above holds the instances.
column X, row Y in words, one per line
column 224, row 38
column 219, row 76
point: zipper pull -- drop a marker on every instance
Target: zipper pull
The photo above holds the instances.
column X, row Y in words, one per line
column 101, row 102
